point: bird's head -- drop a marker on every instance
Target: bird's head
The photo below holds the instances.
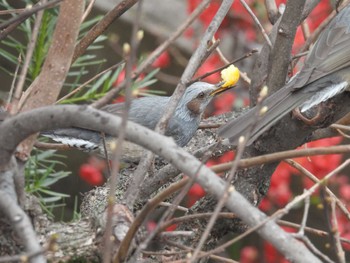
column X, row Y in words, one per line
column 198, row 95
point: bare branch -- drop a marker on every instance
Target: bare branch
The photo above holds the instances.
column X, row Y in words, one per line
column 280, row 54
column 26, row 123
column 27, row 59
column 101, row 26
column 12, row 23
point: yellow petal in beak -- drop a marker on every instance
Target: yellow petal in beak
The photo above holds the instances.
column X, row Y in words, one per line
column 230, row 77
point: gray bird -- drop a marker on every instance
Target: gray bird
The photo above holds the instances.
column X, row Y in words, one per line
column 147, row 111
column 325, row 74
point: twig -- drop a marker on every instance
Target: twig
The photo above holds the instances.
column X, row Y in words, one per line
column 305, row 29
column 311, row 190
column 314, row 231
column 314, row 249
column 228, row 188
column 229, row 180
column 335, row 231
column 12, row 11
column 53, row 117
column 326, row 203
column 189, row 217
column 169, row 213
column 305, row 215
column 101, row 26
column 340, row 127
column 156, row 53
column 257, row 22
column 189, row 249
column 89, row 81
column 146, row 160
column 186, row 186
column 88, row 10
column 22, row 257
column 19, row 59
column 130, row 58
column 280, row 212
column 27, row 60
column 12, row 23
column 243, row 75
column 182, row 28
column 279, row 156
column 148, row 208
column 180, row 208
column 250, row 53
column 313, row 178
column 55, row 68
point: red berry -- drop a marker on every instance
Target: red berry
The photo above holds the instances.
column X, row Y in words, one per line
column 91, row 174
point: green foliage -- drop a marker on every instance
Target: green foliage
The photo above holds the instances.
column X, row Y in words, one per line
column 40, row 173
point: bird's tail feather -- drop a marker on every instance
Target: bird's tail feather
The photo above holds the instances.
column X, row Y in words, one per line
column 278, row 105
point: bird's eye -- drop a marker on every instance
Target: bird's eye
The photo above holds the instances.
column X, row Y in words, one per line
column 201, row 95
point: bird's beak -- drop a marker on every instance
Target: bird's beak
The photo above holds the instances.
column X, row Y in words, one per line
column 220, row 88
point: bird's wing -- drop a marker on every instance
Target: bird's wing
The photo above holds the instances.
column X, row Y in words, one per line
column 330, row 53
column 117, row 109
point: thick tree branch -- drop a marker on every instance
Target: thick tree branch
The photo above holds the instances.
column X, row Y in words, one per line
column 22, row 225
column 281, row 53
column 52, row 117
column 101, row 26
column 47, row 86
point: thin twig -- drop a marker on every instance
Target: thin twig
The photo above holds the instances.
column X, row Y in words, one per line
column 279, row 156
column 243, row 75
column 311, row 190
column 89, row 81
column 88, row 10
column 153, row 56
column 250, row 53
column 12, row 11
column 27, row 60
column 313, row 178
column 189, row 249
column 335, row 231
column 179, row 208
column 257, row 22
column 130, row 58
column 142, row 215
column 101, row 26
column 19, row 59
column 280, row 212
column 63, row 116
column 229, row 180
column 315, row 250
column 11, row 24
column 189, row 217
column 310, row 230
column 305, row 215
